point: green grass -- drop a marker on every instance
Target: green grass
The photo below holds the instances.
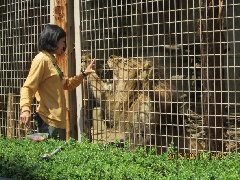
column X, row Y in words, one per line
column 20, row 159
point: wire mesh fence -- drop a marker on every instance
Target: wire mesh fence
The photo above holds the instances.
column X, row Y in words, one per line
column 20, row 22
column 167, row 71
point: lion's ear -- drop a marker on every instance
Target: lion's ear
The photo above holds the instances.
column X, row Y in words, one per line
column 113, row 56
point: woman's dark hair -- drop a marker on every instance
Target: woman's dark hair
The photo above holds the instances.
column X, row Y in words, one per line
column 49, row 37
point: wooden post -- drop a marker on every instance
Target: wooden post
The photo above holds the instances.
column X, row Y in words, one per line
column 10, row 115
column 63, row 17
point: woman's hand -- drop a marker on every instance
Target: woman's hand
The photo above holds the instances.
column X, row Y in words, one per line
column 25, row 117
column 90, row 67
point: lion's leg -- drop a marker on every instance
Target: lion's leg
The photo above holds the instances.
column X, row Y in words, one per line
column 142, row 121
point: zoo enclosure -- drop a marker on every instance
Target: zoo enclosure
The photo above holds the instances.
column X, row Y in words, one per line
column 193, row 47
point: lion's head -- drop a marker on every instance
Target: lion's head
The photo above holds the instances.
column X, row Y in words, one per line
column 127, row 68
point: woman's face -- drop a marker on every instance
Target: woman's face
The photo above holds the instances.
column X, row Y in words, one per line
column 61, row 44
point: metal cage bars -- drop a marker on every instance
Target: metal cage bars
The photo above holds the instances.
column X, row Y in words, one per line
column 168, row 34
column 21, row 23
column 171, row 33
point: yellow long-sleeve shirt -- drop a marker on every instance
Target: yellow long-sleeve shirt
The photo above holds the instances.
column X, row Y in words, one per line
column 44, row 83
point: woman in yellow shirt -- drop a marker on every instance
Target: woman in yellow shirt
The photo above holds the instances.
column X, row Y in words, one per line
column 47, row 83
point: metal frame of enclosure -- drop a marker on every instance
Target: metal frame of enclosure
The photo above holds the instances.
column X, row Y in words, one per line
column 167, row 70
